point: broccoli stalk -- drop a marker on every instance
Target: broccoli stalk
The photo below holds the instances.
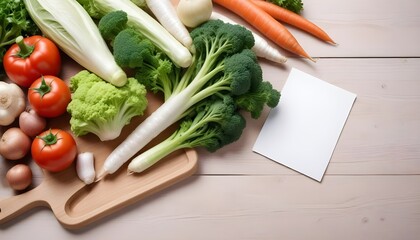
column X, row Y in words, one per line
column 223, row 65
column 215, row 123
column 101, row 108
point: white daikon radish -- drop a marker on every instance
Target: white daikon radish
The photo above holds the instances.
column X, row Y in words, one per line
column 165, row 13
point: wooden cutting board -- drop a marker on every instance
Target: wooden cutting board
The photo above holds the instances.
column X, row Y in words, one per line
column 75, row 204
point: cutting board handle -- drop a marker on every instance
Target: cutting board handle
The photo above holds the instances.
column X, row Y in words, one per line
column 18, row 204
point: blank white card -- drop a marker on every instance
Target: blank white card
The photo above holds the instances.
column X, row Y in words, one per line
column 302, row 131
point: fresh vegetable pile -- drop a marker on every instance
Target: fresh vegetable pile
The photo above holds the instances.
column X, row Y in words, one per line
column 204, row 65
column 223, row 67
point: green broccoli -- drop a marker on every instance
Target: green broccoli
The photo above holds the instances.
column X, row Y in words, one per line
column 292, row 5
column 132, row 50
column 101, row 108
column 214, row 124
column 254, row 101
column 223, row 67
column 226, row 65
column 113, row 23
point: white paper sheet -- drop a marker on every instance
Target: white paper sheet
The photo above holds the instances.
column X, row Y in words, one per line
column 302, row 131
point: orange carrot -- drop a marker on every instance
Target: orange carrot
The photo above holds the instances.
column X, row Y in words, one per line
column 293, row 19
column 264, row 23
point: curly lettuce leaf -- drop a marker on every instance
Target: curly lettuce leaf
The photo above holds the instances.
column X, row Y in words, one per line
column 14, row 21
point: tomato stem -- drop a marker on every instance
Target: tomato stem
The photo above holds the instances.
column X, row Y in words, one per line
column 49, row 139
column 43, row 89
column 25, row 49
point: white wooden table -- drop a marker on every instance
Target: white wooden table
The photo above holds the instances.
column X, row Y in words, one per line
column 371, row 187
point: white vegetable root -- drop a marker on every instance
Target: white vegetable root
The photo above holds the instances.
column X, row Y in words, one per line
column 85, row 167
column 165, row 13
column 261, row 48
column 167, row 114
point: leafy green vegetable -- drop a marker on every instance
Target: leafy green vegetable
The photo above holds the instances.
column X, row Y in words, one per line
column 140, row 3
column 14, row 22
column 292, row 5
column 70, row 27
column 102, row 108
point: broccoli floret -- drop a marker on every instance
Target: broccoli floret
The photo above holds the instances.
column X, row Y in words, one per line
column 215, row 124
column 254, row 100
column 243, row 71
column 228, row 66
column 112, row 23
column 131, row 50
column 101, row 108
column 152, row 68
column 214, row 38
column 220, row 63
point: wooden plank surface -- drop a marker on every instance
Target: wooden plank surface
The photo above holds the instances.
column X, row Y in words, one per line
column 256, row 207
column 370, row 190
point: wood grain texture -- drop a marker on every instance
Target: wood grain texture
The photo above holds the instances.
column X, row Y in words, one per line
column 259, row 207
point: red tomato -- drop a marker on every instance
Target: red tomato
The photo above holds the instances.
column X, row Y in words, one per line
column 49, row 96
column 54, row 150
column 30, row 58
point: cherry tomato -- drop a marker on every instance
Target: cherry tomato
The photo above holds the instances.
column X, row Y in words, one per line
column 30, row 58
column 49, row 96
column 54, row 150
